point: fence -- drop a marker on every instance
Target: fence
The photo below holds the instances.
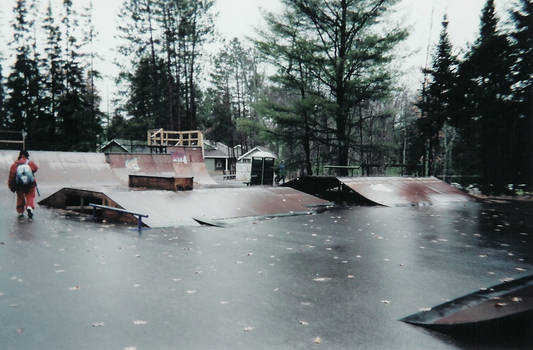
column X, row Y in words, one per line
column 12, row 139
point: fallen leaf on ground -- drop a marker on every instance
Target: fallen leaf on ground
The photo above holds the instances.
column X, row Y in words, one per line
column 500, row 304
column 75, row 288
column 385, row 301
column 303, row 323
column 20, row 330
column 130, row 348
column 322, row 279
column 516, row 299
column 424, row 309
column 191, row 292
column 98, row 324
column 317, row 340
column 248, row 329
column 139, row 322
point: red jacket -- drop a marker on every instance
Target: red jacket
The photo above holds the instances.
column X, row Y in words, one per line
column 13, row 170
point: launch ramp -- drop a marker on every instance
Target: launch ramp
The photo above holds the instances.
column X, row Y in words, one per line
column 386, row 191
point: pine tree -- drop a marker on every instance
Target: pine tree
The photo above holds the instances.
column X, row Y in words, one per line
column 284, row 47
column 436, row 103
column 23, row 102
column 487, row 124
column 171, row 33
column 89, row 36
column 78, row 126
column 3, row 116
column 346, row 57
column 53, row 87
column 522, row 49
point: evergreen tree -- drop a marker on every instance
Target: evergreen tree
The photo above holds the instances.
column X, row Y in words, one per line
column 3, row 117
column 522, row 48
column 293, row 115
column 23, row 102
column 236, row 85
column 54, row 88
column 347, row 58
column 92, row 74
column 78, row 127
column 487, row 124
column 221, row 116
column 164, row 40
column 437, row 101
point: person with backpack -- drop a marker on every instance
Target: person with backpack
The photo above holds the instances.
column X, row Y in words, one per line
column 22, row 180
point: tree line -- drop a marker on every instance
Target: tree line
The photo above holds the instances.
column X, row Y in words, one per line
column 476, row 110
column 50, row 92
column 317, row 85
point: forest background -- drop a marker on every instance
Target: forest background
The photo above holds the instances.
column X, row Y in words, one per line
column 319, row 85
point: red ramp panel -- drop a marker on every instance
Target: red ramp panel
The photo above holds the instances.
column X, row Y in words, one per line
column 402, row 191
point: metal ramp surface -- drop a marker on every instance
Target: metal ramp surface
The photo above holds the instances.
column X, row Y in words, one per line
column 87, row 169
column 505, row 302
column 168, row 208
column 386, row 191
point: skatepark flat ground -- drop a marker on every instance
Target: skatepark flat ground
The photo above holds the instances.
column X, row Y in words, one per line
column 340, row 279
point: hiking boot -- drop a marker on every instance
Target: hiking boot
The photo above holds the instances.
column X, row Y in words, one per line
column 21, row 215
column 30, row 212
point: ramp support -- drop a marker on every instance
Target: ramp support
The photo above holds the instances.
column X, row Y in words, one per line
column 105, row 207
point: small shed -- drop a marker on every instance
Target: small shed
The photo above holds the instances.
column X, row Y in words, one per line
column 256, row 167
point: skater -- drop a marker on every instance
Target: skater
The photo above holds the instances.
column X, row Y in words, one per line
column 22, row 180
column 281, row 173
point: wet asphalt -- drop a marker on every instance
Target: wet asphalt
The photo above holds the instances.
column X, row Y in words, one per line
column 335, row 280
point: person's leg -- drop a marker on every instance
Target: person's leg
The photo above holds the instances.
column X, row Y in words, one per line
column 30, row 201
column 21, row 202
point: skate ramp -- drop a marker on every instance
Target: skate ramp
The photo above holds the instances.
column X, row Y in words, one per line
column 405, row 191
column 189, row 162
column 62, row 169
column 167, row 208
column 503, row 303
column 96, row 170
column 386, row 191
column 125, row 164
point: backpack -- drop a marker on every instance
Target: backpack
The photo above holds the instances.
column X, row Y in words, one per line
column 24, row 176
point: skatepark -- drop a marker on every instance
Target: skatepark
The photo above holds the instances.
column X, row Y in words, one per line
column 332, row 263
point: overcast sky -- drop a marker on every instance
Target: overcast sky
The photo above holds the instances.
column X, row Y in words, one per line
column 238, row 18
